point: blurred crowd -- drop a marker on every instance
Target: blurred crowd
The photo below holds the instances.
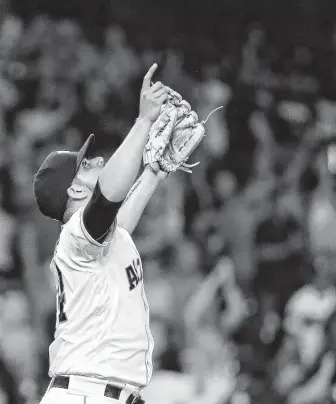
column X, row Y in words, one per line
column 239, row 257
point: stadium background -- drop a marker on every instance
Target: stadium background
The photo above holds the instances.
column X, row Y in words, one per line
column 239, row 258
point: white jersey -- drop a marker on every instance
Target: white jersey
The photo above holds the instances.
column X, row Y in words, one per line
column 102, row 325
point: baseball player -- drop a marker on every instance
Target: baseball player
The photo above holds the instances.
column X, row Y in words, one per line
column 102, row 349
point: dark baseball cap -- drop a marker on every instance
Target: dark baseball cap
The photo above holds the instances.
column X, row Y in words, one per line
column 55, row 176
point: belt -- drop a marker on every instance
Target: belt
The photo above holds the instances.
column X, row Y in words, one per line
column 62, row 382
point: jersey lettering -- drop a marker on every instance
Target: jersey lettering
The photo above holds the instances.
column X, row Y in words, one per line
column 60, row 297
column 134, row 274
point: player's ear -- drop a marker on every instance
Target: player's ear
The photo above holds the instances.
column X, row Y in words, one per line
column 77, row 192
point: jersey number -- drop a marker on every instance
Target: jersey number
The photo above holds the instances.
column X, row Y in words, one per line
column 60, row 298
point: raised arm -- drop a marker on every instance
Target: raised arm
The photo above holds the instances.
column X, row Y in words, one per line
column 122, row 168
column 138, row 197
column 204, row 297
column 220, row 278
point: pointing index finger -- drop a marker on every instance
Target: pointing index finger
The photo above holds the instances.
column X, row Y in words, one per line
column 148, row 77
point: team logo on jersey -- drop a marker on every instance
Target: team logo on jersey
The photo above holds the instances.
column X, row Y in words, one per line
column 134, row 273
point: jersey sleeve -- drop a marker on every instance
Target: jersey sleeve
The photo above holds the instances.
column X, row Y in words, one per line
column 99, row 214
column 78, row 248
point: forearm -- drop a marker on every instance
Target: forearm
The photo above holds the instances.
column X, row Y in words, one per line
column 137, row 199
column 201, row 302
column 122, row 168
column 236, row 308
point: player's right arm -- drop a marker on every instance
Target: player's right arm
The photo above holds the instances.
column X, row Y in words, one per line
column 122, row 168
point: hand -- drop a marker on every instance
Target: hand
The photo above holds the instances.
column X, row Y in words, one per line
column 225, row 272
column 152, row 97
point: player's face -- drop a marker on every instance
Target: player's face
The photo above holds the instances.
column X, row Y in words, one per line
column 90, row 170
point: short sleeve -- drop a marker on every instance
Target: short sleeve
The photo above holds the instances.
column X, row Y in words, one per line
column 78, row 247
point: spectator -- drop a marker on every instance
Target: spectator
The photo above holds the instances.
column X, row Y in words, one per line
column 280, row 256
column 8, row 387
column 305, row 369
column 9, row 267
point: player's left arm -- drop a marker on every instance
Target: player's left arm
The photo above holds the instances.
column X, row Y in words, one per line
column 138, row 197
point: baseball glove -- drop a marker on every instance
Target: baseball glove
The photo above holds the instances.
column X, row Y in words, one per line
column 187, row 135
column 174, row 135
column 160, row 134
column 172, row 112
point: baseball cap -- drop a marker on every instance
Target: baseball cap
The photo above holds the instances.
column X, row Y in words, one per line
column 55, row 176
